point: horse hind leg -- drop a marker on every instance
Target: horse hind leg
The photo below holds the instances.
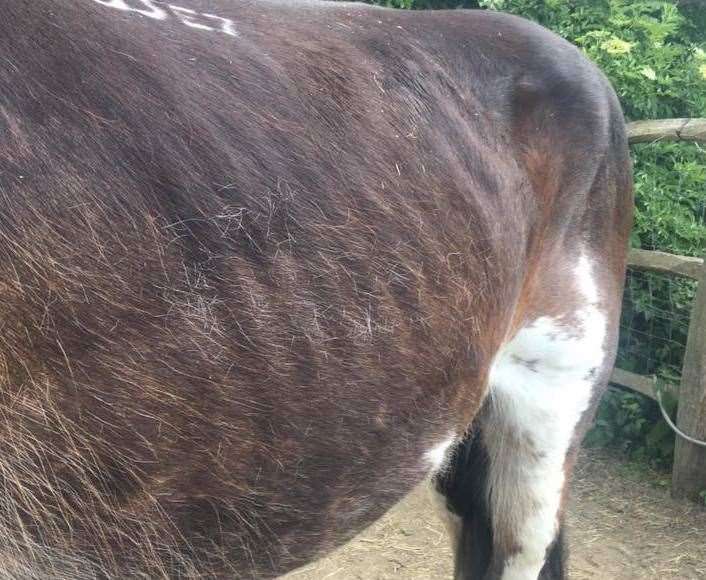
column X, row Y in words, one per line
column 507, row 481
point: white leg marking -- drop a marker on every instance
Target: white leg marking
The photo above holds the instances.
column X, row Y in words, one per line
column 540, row 384
column 152, row 10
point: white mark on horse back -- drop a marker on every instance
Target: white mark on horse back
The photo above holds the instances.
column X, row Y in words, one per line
column 437, row 456
column 186, row 16
column 227, row 26
column 540, row 384
column 151, row 12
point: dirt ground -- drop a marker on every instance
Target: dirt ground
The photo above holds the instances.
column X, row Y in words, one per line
column 622, row 523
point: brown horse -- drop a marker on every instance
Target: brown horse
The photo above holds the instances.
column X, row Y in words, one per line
column 267, row 265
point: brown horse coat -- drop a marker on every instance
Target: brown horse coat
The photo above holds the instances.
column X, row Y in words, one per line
column 257, row 261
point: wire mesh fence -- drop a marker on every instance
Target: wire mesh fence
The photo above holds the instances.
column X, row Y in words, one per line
column 655, row 323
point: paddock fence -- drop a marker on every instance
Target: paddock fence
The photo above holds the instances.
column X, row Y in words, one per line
column 689, row 469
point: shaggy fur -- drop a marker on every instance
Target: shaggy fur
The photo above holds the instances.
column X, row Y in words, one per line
column 247, row 280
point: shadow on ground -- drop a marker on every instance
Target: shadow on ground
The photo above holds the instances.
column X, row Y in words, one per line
column 623, row 525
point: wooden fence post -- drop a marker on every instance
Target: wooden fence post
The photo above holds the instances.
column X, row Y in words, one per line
column 689, row 471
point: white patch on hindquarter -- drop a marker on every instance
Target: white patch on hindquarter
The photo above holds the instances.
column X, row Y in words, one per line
column 540, row 384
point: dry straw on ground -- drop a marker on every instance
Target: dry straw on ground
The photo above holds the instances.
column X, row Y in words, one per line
column 623, row 525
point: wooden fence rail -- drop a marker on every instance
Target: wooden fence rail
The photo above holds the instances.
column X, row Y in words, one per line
column 667, row 130
column 689, row 470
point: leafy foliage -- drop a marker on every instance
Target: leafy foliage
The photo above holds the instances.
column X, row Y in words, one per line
column 633, row 423
column 645, row 47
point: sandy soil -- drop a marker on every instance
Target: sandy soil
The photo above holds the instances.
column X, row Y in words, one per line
column 623, row 524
